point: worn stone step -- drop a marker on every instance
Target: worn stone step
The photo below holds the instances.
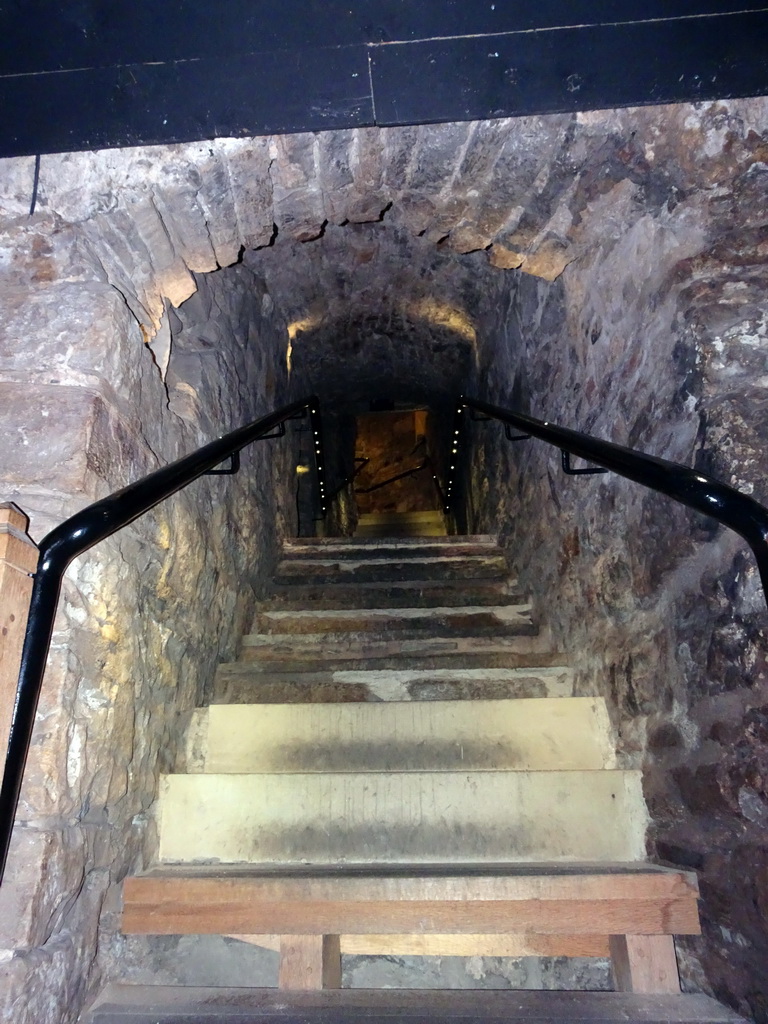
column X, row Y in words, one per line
column 392, row 549
column 402, row 817
column 160, row 1004
column 508, row 619
column 427, row 523
column 426, row 528
column 394, row 594
column 261, row 660
column 238, row 683
column 445, row 542
column 368, row 570
column 515, row 735
column 330, row 652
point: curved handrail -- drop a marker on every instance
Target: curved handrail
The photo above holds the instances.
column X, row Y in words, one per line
column 722, row 502
column 79, row 533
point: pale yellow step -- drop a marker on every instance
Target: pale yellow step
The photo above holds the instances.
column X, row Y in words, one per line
column 398, row 817
column 522, row 735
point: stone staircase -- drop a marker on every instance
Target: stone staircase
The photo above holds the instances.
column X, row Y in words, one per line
column 397, row 765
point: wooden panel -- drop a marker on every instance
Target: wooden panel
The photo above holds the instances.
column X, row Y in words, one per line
column 309, row 962
column 644, row 963
column 18, row 558
column 641, row 917
column 559, row 904
column 457, row 945
column 487, row 882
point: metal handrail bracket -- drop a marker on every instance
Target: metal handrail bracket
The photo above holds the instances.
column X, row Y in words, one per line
column 81, row 532
column 729, row 506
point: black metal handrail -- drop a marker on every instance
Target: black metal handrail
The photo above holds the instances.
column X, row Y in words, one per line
column 79, row 533
column 722, row 502
column 392, row 479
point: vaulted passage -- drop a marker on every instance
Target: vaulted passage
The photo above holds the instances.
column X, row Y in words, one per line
column 604, row 271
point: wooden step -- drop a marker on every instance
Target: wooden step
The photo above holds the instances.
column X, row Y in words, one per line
column 160, row 1004
column 369, row 570
column 517, row 735
column 394, row 594
column 398, row 817
column 247, row 683
column 507, row 619
column 544, row 899
column 318, row 650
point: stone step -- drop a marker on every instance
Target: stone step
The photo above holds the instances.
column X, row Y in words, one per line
column 369, row 570
column 238, row 683
column 429, row 523
column 394, row 594
column 392, row 548
column 444, row 542
column 161, row 1004
column 402, row 817
column 508, row 619
column 480, row 657
column 515, row 735
column 426, row 528
column 381, row 651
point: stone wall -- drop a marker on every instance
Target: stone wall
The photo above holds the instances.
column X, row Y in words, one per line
column 86, row 406
column 655, row 337
column 601, row 269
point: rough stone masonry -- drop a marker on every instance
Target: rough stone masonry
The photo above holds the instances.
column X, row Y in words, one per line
column 604, row 270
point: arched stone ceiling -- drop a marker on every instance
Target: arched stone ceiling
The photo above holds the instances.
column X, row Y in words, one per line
column 374, row 310
column 516, row 190
column 374, row 234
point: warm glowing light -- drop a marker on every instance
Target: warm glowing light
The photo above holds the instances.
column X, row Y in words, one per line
column 440, row 314
column 294, row 328
column 301, row 469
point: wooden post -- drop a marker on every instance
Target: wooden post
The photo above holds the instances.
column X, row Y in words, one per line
column 645, row 964
column 18, row 558
column 309, row 962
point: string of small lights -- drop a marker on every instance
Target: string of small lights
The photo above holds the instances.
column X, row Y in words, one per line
column 316, row 427
column 453, row 454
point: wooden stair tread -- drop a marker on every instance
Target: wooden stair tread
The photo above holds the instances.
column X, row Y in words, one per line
column 554, row 899
column 160, row 1004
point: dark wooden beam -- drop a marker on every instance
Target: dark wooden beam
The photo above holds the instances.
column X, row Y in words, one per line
column 101, row 73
